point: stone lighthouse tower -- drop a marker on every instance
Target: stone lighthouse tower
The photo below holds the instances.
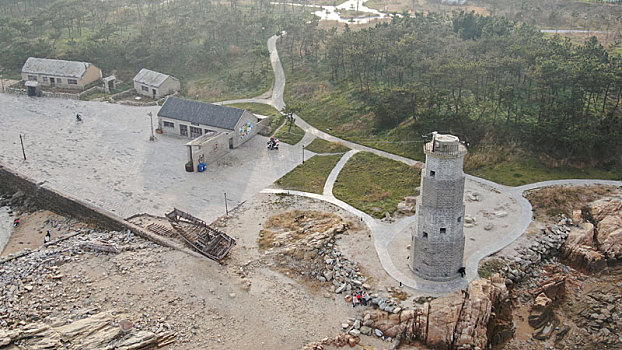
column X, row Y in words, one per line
column 438, row 238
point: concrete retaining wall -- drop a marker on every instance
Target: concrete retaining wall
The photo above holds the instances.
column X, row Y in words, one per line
column 45, row 197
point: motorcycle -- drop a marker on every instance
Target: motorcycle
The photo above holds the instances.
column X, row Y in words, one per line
column 273, row 144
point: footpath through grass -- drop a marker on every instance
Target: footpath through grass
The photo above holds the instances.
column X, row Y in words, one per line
column 375, row 184
column 310, row 176
column 323, row 146
column 292, row 136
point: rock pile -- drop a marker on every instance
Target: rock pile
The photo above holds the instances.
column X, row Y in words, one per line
column 600, row 314
column 338, row 341
column 33, row 287
column 545, row 245
column 309, row 247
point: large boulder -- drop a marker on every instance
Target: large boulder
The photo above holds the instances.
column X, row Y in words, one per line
column 607, row 214
column 458, row 320
column 590, row 245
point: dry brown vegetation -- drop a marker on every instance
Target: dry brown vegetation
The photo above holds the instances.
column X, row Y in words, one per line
column 550, row 202
column 293, row 225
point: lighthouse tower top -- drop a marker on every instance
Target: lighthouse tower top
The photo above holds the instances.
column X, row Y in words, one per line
column 444, row 146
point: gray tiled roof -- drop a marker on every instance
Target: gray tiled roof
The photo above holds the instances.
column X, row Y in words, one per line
column 201, row 113
column 62, row 68
column 149, row 77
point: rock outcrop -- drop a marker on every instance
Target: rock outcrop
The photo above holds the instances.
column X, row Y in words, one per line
column 591, row 244
column 457, row 321
column 101, row 331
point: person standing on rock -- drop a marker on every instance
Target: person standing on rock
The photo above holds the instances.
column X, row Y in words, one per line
column 48, row 235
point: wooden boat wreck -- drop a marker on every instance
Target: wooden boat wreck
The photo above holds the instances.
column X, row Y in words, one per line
column 205, row 239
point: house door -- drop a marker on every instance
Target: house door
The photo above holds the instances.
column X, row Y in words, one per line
column 231, row 143
column 111, row 85
column 183, row 130
column 52, row 82
column 153, row 91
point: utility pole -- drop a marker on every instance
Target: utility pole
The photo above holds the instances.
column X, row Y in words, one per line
column 226, row 208
column 21, row 140
column 152, row 138
column 303, row 154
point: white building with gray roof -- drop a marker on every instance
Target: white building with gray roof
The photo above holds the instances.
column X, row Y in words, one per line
column 155, row 84
column 214, row 129
column 72, row 75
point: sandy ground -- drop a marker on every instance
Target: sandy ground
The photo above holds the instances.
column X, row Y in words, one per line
column 30, row 233
column 208, row 304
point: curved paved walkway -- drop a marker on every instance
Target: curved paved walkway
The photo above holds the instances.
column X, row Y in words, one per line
column 384, row 233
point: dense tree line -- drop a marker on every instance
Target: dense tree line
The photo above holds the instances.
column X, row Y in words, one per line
column 174, row 36
column 480, row 77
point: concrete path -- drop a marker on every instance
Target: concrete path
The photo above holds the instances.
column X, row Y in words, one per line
column 385, row 233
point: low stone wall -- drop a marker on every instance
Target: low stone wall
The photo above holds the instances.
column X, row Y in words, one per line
column 17, row 90
column 137, row 103
column 66, row 95
column 50, row 199
column 122, row 94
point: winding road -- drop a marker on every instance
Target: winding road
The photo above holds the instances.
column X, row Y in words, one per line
column 383, row 232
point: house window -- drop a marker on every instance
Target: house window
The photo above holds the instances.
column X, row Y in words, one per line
column 183, row 130
column 72, row 81
column 32, row 77
column 168, row 124
column 432, row 173
column 425, row 235
column 144, row 88
column 58, row 80
column 443, row 230
column 45, row 79
column 195, row 132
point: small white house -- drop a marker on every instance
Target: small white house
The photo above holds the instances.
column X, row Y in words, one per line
column 63, row 74
column 214, row 129
column 154, row 84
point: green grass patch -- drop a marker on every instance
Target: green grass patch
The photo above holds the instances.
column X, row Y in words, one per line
column 241, row 77
column 258, row 108
column 375, row 184
column 310, row 176
column 323, row 146
column 291, row 136
column 489, row 267
column 525, row 171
